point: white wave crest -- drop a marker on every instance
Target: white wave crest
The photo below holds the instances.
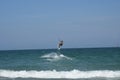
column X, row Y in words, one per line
column 74, row 74
column 55, row 56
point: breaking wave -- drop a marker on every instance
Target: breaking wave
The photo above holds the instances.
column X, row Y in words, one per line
column 74, row 74
column 55, row 56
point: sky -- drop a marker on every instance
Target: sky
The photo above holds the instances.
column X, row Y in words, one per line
column 40, row 24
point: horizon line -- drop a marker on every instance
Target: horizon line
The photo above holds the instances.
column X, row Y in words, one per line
column 56, row 48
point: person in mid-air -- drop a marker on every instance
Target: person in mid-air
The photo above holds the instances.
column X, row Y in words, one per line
column 60, row 44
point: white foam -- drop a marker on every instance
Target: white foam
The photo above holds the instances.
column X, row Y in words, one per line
column 54, row 56
column 74, row 74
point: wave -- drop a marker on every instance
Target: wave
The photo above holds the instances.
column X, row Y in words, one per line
column 74, row 74
column 55, row 56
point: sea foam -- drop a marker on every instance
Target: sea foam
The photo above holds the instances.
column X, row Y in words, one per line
column 73, row 74
column 55, row 56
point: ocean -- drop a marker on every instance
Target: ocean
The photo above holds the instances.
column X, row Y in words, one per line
column 64, row 64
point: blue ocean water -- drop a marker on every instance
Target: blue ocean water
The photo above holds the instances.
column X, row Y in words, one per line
column 66, row 64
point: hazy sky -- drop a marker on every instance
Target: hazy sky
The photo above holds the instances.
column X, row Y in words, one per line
column 40, row 24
